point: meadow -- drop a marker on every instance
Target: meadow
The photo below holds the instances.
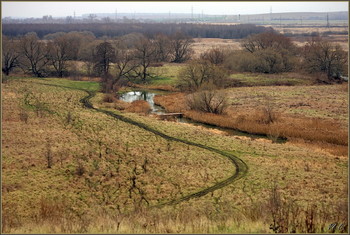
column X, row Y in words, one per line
column 76, row 160
column 69, row 169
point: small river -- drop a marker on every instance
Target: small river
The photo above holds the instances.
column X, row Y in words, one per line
column 143, row 95
column 148, row 96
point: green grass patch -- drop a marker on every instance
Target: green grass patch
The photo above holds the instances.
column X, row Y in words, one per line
column 86, row 85
column 255, row 79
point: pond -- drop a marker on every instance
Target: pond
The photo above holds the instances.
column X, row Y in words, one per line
column 148, row 95
column 143, row 95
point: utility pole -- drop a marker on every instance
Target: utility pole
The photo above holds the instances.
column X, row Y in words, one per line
column 280, row 22
column 192, row 12
column 327, row 21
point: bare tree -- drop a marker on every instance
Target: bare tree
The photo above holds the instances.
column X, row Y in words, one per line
column 87, row 55
column 104, row 56
column 273, row 53
column 180, row 47
column 163, row 49
column 10, row 55
column 59, row 52
column 215, row 55
column 200, row 74
column 144, row 55
column 322, row 56
column 125, row 63
column 34, row 54
column 208, row 101
column 266, row 40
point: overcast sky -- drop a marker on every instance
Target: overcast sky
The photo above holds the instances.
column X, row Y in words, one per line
column 38, row 9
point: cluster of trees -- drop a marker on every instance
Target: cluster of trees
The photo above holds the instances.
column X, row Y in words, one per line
column 42, row 58
column 130, row 55
column 149, row 29
column 275, row 53
column 263, row 53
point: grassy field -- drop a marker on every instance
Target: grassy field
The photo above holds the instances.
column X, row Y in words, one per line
column 287, row 79
column 316, row 114
column 69, row 169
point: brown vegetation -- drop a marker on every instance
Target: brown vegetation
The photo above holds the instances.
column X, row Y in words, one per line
column 139, row 106
column 267, row 121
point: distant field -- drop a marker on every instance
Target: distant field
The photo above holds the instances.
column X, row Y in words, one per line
column 202, row 44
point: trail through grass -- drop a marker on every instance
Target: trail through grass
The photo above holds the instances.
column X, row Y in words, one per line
column 241, row 167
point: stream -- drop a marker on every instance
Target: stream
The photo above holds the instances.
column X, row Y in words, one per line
column 148, row 96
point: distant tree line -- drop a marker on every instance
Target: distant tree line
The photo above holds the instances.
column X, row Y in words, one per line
column 267, row 53
column 129, row 57
column 148, row 29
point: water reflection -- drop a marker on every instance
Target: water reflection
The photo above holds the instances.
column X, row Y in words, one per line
column 142, row 95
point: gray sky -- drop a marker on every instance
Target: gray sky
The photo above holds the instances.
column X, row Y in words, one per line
column 38, row 9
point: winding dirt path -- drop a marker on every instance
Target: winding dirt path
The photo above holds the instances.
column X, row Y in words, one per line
column 241, row 166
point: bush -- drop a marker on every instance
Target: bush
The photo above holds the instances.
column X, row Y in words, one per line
column 325, row 57
column 109, row 98
column 208, row 101
column 215, row 55
column 201, row 73
column 139, row 106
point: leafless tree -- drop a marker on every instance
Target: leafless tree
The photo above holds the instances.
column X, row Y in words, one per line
column 163, row 49
column 323, row 56
column 10, row 55
column 34, row 54
column 144, row 55
column 180, row 47
column 200, row 74
column 266, row 40
column 104, row 56
column 60, row 51
column 215, row 55
column 125, row 63
column 209, row 101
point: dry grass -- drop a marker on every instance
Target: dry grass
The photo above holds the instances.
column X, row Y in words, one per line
column 323, row 121
column 139, row 106
column 112, row 153
column 201, row 45
column 173, row 103
column 109, row 98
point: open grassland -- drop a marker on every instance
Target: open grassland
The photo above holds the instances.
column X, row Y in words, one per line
column 69, row 169
column 256, row 79
column 201, row 45
column 316, row 114
column 166, row 77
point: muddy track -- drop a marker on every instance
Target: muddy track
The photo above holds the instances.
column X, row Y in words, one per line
column 241, row 166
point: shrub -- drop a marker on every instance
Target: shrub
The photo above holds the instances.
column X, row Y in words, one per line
column 208, row 101
column 200, row 73
column 139, row 106
column 80, row 170
column 322, row 56
column 109, row 98
column 23, row 116
column 215, row 55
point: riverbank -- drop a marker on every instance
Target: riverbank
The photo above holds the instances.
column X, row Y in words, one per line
column 249, row 114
